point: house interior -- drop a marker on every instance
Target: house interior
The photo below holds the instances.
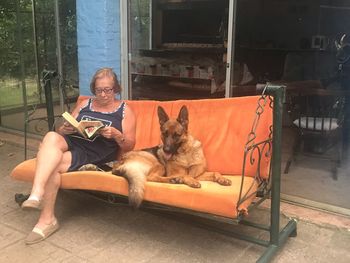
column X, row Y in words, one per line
column 181, row 52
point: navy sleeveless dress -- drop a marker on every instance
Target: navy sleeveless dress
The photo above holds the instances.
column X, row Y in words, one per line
column 98, row 150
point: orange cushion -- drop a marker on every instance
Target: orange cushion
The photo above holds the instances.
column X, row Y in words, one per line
column 210, row 198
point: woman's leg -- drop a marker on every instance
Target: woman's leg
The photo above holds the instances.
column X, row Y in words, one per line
column 49, row 158
column 47, row 223
column 47, row 215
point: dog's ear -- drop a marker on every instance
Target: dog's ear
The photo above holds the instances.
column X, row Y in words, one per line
column 183, row 117
column 163, row 117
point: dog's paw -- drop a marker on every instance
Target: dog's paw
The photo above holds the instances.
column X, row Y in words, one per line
column 88, row 167
column 194, row 184
column 224, row 181
column 176, row 180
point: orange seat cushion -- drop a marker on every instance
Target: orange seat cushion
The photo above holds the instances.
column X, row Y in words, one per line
column 210, row 198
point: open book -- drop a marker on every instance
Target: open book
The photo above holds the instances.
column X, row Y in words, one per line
column 86, row 128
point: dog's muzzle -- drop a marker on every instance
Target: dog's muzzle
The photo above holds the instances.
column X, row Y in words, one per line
column 167, row 153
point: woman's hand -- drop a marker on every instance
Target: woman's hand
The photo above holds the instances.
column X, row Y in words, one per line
column 66, row 128
column 112, row 133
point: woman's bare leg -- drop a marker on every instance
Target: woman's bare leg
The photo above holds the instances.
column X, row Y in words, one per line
column 49, row 158
column 47, row 215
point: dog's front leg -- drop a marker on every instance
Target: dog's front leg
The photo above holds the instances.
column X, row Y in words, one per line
column 183, row 179
column 214, row 177
column 179, row 175
column 166, row 179
column 190, row 181
column 199, row 172
column 157, row 174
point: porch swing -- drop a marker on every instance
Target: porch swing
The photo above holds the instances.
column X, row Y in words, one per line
column 241, row 139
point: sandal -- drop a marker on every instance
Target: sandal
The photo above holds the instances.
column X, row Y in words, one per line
column 32, row 202
column 38, row 234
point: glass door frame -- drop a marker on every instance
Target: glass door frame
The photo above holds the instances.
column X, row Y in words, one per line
column 124, row 50
column 230, row 48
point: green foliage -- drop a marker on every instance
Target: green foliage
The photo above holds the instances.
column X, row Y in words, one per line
column 9, row 61
column 17, row 15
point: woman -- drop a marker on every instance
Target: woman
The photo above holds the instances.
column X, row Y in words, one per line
column 65, row 150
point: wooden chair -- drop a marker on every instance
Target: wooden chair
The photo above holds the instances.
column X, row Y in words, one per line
column 318, row 116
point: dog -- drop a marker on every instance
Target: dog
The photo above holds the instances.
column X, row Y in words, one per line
column 179, row 160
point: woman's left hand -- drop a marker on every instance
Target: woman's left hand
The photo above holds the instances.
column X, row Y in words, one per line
column 112, row 133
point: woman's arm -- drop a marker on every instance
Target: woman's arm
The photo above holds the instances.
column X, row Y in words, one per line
column 126, row 140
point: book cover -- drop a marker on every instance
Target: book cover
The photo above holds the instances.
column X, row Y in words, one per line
column 87, row 129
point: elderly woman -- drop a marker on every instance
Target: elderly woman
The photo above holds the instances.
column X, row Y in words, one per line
column 65, row 150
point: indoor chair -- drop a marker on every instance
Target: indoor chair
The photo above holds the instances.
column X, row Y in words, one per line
column 317, row 115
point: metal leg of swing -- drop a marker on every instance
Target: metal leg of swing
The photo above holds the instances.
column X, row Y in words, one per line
column 20, row 198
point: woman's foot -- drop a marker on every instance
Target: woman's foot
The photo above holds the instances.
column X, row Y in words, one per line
column 33, row 202
column 39, row 234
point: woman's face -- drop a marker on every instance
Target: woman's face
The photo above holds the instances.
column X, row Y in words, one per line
column 104, row 91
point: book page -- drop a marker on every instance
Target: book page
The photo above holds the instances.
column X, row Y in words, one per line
column 70, row 119
column 91, row 127
column 85, row 127
column 87, row 124
column 92, row 131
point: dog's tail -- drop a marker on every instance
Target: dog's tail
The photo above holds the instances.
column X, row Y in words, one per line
column 136, row 178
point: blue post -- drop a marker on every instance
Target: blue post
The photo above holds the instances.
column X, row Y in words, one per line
column 98, row 36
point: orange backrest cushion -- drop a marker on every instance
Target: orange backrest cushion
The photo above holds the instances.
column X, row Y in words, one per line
column 222, row 125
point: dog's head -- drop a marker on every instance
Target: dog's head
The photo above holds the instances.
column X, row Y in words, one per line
column 173, row 131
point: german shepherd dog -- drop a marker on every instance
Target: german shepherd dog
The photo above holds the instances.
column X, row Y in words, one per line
column 179, row 160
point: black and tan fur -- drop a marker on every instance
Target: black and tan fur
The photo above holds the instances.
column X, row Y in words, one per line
column 179, row 159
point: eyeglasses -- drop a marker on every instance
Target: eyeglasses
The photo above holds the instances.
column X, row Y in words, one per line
column 106, row 91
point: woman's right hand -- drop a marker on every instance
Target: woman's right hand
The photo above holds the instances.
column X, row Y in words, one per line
column 66, row 128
